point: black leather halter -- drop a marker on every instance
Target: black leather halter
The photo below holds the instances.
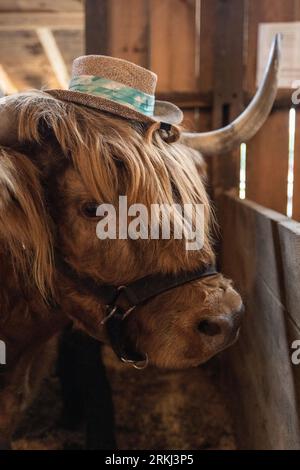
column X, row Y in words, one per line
column 131, row 295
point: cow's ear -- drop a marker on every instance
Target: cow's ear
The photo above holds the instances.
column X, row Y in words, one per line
column 24, row 225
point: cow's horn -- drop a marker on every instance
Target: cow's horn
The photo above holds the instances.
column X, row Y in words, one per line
column 245, row 126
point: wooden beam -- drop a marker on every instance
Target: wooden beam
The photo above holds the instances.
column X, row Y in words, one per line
column 53, row 53
column 41, row 5
column 24, row 60
column 71, row 45
column 129, row 30
column 228, row 85
column 6, row 85
column 33, row 20
column 172, row 34
column 96, row 27
column 187, row 100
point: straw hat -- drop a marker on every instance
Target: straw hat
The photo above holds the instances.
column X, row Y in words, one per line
column 119, row 87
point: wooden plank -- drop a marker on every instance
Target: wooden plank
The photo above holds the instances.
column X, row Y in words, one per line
column 71, row 45
column 264, row 402
column 264, row 11
column 187, row 100
column 172, row 44
column 228, row 90
column 294, row 335
column 25, row 63
column 267, row 163
column 41, row 5
column 206, row 58
column 208, row 11
column 12, row 21
column 129, row 30
column 197, row 120
column 289, row 235
column 267, row 159
column 23, row 59
column 228, row 61
column 6, row 85
column 253, row 227
column 97, row 27
column 296, row 197
column 54, row 56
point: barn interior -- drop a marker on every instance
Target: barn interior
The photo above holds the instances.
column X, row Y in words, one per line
column 208, row 56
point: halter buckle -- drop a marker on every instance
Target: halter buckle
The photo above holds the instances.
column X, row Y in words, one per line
column 111, row 311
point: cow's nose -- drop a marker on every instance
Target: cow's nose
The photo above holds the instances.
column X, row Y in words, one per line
column 224, row 326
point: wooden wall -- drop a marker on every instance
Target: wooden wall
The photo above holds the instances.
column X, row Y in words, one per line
column 262, row 255
column 267, row 157
column 164, row 35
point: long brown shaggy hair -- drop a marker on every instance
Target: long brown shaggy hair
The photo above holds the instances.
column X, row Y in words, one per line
column 113, row 157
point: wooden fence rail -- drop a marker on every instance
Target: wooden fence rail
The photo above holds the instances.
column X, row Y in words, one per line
column 262, row 254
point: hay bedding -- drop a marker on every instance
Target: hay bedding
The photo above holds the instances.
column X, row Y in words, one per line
column 154, row 410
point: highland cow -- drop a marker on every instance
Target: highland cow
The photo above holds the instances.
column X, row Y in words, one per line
column 58, row 161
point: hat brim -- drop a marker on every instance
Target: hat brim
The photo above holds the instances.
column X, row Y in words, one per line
column 163, row 110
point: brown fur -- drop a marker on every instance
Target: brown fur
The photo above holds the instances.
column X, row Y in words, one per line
column 66, row 155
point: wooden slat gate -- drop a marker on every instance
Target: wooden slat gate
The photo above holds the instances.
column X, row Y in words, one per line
column 205, row 54
column 262, row 253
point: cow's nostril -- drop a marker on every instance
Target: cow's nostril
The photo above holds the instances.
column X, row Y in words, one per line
column 209, row 328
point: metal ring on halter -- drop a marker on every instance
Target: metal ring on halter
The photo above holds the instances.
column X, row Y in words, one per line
column 137, row 364
column 120, row 288
column 128, row 312
column 114, row 308
column 110, row 313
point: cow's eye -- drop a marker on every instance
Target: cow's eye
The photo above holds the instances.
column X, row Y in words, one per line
column 89, row 209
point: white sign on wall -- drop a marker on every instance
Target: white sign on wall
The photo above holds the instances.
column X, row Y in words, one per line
column 289, row 76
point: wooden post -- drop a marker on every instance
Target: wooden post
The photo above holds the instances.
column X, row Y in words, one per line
column 228, row 85
column 96, row 27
